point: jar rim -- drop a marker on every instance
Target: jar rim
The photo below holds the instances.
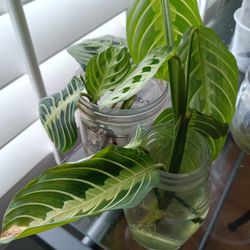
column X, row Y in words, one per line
column 247, row 77
column 205, row 162
column 237, row 20
column 83, row 102
column 183, row 181
column 194, row 173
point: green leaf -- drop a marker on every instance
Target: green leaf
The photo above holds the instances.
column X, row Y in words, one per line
column 137, row 139
column 138, row 77
column 164, row 117
column 106, row 70
column 158, row 142
column 57, row 114
column 145, row 24
column 212, row 74
column 196, row 152
column 84, row 51
column 178, row 87
column 113, row 178
column 215, row 132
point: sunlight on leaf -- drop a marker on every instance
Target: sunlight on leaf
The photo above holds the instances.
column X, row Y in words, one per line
column 113, row 178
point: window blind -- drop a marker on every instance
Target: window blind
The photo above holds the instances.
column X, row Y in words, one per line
column 3, row 8
column 53, row 25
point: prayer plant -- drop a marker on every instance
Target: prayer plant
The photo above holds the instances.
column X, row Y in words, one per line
column 110, row 78
column 166, row 39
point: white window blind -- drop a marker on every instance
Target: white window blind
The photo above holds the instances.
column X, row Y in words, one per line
column 3, row 8
column 53, row 25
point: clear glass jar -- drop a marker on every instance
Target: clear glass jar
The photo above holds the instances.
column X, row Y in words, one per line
column 117, row 126
column 240, row 126
column 171, row 213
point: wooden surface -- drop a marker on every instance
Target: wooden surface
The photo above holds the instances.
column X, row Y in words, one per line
column 237, row 204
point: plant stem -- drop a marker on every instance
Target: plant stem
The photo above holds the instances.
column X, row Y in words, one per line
column 178, row 94
column 176, row 75
column 198, row 219
column 128, row 103
column 167, row 23
column 178, row 90
column 181, row 129
column 178, row 145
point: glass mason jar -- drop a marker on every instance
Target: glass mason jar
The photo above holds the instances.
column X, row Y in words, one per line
column 240, row 126
column 100, row 128
column 173, row 211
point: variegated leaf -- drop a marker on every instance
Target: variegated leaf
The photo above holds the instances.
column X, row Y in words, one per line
column 158, row 141
column 197, row 152
column 57, row 114
column 164, row 117
column 138, row 138
column 85, row 50
column 138, row 77
column 113, row 178
column 106, row 70
column 215, row 132
column 212, row 74
column 145, row 24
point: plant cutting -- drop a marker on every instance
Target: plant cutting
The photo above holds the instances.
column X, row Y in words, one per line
column 183, row 140
column 107, row 67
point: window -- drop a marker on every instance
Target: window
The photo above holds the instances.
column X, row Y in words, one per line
column 53, row 25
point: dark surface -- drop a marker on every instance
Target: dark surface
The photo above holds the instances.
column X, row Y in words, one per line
column 29, row 243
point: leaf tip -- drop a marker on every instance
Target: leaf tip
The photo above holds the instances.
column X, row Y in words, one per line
column 10, row 234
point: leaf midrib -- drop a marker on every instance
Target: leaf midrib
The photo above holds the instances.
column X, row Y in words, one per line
column 102, row 86
column 203, row 77
column 77, row 207
column 53, row 114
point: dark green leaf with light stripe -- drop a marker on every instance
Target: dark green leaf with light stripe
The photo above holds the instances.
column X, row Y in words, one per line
column 145, row 25
column 113, row 178
column 212, row 75
column 57, row 114
column 164, row 117
column 138, row 77
column 215, row 132
column 85, row 50
column 106, row 70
